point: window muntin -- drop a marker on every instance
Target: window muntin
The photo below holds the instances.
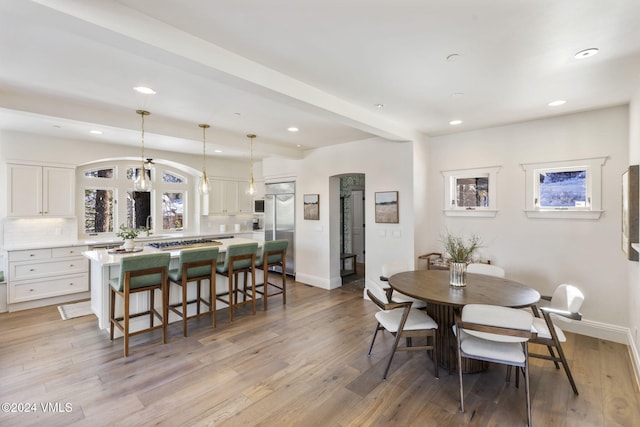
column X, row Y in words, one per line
column 470, row 192
column 132, row 173
column 98, row 210
column 570, row 189
column 167, row 209
column 107, row 173
column 562, row 188
column 172, row 178
column 172, row 211
column 139, row 210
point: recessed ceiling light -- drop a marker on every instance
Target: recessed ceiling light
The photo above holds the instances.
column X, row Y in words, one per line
column 379, row 105
column 96, row 132
column 298, row 145
column 557, row 103
column 217, row 151
column 586, row 53
column 453, row 57
column 455, row 122
column 293, row 129
column 145, row 90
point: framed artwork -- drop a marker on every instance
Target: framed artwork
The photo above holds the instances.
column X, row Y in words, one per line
column 630, row 212
column 311, row 206
column 386, row 209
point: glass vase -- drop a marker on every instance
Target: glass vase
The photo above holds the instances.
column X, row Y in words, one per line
column 458, row 274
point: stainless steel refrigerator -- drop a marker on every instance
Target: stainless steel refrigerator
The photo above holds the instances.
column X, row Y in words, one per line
column 280, row 218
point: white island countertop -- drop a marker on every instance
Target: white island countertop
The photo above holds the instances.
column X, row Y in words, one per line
column 104, row 258
column 105, row 266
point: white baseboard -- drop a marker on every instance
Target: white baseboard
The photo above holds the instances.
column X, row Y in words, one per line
column 595, row 329
column 635, row 358
column 319, row 282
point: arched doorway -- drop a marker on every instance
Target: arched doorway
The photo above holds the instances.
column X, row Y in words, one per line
column 351, row 227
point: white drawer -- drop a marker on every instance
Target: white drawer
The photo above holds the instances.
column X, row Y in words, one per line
column 23, row 271
column 29, row 255
column 32, row 290
column 70, row 251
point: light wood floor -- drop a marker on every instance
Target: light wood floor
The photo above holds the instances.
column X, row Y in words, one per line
column 303, row 364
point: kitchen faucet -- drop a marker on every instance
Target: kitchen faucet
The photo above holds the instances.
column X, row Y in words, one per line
column 148, row 225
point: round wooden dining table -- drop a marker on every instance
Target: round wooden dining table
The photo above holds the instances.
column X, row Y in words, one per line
column 443, row 300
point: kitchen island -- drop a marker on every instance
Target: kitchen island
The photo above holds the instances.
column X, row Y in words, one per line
column 105, row 264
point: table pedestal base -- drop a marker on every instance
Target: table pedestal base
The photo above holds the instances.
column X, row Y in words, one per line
column 447, row 343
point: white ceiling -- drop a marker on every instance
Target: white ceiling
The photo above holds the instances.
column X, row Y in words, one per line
column 255, row 66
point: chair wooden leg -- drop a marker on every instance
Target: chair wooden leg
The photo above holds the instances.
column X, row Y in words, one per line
column 152, row 306
column 460, row 378
column 284, row 287
column 393, row 352
column 126, row 323
column 526, row 385
column 434, row 354
column 265, row 288
column 184, row 308
column 567, row 370
column 164, row 291
column 212, row 299
column 374, row 338
column 112, row 311
column 554, row 358
column 253, row 290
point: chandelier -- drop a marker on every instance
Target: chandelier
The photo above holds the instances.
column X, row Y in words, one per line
column 142, row 181
column 252, row 186
column 203, row 186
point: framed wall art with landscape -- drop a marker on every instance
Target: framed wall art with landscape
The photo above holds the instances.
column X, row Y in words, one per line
column 311, row 206
column 386, row 209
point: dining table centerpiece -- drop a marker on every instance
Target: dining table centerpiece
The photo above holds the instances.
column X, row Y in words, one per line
column 127, row 234
column 460, row 252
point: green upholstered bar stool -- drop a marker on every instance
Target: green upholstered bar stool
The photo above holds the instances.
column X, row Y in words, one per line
column 240, row 258
column 140, row 273
column 273, row 253
column 195, row 265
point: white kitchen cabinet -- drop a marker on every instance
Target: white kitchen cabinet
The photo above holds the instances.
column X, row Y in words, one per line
column 41, row 274
column 245, row 200
column 229, row 197
column 40, row 191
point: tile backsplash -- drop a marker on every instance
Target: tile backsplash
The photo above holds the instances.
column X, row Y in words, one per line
column 24, row 231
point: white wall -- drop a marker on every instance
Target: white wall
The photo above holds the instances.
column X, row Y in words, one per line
column 544, row 253
column 387, row 167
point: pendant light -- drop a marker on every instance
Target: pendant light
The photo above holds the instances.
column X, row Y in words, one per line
column 252, row 186
column 203, row 186
column 142, row 181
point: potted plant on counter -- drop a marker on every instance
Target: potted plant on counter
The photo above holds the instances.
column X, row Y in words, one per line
column 460, row 252
column 127, row 234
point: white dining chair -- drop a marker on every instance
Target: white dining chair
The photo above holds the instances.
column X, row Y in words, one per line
column 487, row 269
column 394, row 267
column 494, row 334
column 403, row 321
column 565, row 302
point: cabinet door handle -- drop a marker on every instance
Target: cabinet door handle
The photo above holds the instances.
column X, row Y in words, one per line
column 32, row 269
column 32, row 254
column 71, row 265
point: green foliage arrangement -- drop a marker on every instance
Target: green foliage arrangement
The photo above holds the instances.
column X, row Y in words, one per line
column 127, row 232
column 459, row 249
